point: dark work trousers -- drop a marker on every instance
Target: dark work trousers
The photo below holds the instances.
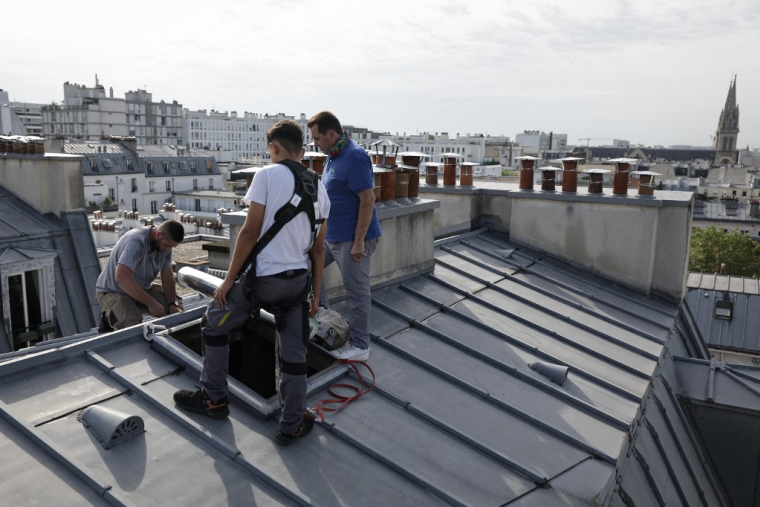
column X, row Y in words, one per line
column 356, row 278
column 279, row 290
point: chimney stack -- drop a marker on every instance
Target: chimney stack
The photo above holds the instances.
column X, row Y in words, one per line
column 595, row 179
column 570, row 174
column 526, row 172
column 620, row 179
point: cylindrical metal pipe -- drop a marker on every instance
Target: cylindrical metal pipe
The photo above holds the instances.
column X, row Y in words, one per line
column 547, row 179
column 465, row 174
column 431, row 174
column 526, row 174
column 402, row 184
column 620, row 179
column 620, row 183
column 414, row 184
column 570, row 176
column 595, row 181
column 449, row 174
column 388, row 188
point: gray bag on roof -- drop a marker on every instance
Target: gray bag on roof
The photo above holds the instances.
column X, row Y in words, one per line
column 332, row 331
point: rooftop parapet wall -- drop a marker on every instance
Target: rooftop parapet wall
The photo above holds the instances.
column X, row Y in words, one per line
column 640, row 242
column 404, row 250
column 51, row 183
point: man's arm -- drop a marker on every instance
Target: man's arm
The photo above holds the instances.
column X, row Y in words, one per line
column 132, row 288
column 246, row 241
column 170, row 290
column 366, row 205
column 318, row 254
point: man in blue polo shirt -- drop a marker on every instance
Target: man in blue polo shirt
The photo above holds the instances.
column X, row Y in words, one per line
column 353, row 230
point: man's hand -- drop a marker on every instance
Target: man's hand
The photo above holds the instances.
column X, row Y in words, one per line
column 156, row 309
column 176, row 309
column 357, row 250
column 220, row 294
column 313, row 307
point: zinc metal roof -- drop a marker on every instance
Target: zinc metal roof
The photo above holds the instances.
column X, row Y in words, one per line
column 457, row 416
column 27, row 235
column 742, row 331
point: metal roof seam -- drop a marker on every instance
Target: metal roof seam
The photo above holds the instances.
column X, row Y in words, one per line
column 515, row 372
column 461, row 436
column 648, row 474
column 697, row 448
column 586, row 281
column 199, row 431
column 499, row 403
column 580, row 306
column 664, row 456
column 405, row 471
column 51, row 448
column 553, row 334
column 553, row 313
column 535, row 350
column 680, row 447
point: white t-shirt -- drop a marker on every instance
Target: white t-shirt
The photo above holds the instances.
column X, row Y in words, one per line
column 273, row 187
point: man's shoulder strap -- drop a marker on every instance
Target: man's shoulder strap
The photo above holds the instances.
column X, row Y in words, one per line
column 305, row 197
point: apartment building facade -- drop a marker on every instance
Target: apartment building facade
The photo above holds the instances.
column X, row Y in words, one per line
column 91, row 114
column 233, row 138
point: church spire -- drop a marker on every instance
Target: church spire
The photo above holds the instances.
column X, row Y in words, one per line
column 728, row 129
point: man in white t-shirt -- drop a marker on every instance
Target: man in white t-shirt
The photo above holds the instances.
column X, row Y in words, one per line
column 282, row 281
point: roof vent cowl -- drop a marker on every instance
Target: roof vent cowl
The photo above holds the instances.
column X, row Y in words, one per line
column 109, row 426
column 554, row 372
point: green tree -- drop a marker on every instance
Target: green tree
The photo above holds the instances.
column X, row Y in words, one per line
column 107, row 202
column 711, row 247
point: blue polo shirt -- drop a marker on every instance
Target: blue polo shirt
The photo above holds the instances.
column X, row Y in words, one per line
column 345, row 175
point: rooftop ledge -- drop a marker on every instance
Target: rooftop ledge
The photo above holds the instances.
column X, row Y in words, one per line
column 46, row 156
column 660, row 197
column 388, row 209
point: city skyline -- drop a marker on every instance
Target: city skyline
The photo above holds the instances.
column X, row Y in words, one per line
column 644, row 72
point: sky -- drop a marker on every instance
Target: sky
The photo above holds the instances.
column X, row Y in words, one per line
column 651, row 72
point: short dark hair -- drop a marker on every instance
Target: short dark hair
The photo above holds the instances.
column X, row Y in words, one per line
column 173, row 230
column 288, row 134
column 325, row 121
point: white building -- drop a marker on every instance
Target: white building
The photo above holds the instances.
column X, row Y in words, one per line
column 542, row 141
column 232, row 138
column 19, row 118
column 142, row 178
column 471, row 147
column 87, row 113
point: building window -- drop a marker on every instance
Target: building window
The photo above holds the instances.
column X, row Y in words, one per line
column 153, row 207
column 192, row 167
column 152, row 187
column 198, row 205
column 134, row 205
column 112, row 194
column 94, row 164
column 211, row 183
column 195, row 184
column 209, row 166
column 128, row 162
column 107, row 164
column 28, row 292
column 165, row 166
column 149, row 167
column 134, row 185
column 183, row 166
column 168, row 185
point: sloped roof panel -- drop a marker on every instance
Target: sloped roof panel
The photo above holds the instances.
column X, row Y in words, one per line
column 458, row 415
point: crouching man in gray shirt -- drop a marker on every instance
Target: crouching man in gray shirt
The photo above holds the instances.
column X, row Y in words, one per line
column 125, row 286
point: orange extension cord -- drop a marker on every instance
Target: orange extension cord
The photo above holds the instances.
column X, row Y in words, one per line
column 318, row 411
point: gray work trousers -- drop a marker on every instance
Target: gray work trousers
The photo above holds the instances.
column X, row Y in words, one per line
column 355, row 276
column 280, row 291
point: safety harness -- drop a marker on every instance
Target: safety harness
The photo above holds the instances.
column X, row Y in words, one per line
column 305, row 199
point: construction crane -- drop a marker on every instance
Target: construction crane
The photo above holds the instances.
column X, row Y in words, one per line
column 587, row 139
